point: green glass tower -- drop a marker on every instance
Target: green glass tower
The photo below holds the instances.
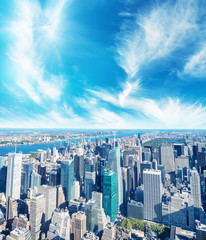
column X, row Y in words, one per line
column 109, row 191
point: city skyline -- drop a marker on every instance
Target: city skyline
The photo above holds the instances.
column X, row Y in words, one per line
column 100, row 64
column 145, row 185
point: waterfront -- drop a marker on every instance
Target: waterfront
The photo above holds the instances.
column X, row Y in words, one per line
column 30, row 148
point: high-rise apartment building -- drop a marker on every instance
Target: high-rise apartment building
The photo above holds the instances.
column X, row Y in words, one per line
column 152, row 195
column 109, row 191
column 67, row 171
column 13, row 181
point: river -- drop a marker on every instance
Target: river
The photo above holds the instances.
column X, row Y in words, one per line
column 26, row 149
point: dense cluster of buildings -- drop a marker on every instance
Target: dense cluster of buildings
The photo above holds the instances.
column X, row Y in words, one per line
column 84, row 190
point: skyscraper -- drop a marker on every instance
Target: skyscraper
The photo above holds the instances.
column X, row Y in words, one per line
column 109, row 190
column 114, row 164
column 54, row 177
column 196, row 192
column 152, row 195
column 90, row 177
column 37, row 215
column 178, row 148
column 167, row 158
column 11, row 209
column 13, row 182
column 124, row 186
column 67, row 171
column 178, row 210
column 79, row 225
column 50, row 196
column 75, row 190
column 1, row 162
column 102, row 219
column 91, row 215
column 162, row 169
column 3, row 174
column 27, row 171
column 35, row 179
column 60, row 197
column 79, row 167
column 144, row 165
column 60, row 225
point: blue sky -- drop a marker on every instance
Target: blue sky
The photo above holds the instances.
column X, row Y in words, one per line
column 103, row 64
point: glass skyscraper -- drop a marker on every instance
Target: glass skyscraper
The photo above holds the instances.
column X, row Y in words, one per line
column 27, row 171
column 67, row 171
column 109, row 191
column 114, row 164
column 35, row 179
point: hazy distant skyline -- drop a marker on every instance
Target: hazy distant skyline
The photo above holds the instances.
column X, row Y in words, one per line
column 103, row 64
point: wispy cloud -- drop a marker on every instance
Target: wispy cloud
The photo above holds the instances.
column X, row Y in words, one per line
column 145, row 36
column 164, row 113
column 29, row 29
column 196, row 64
column 156, row 34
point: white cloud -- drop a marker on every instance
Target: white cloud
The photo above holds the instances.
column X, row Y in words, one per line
column 31, row 27
column 165, row 113
column 69, row 111
column 53, row 17
column 156, row 34
column 196, row 65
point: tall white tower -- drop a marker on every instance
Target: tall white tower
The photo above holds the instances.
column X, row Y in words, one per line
column 196, row 192
column 152, row 195
column 13, row 181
